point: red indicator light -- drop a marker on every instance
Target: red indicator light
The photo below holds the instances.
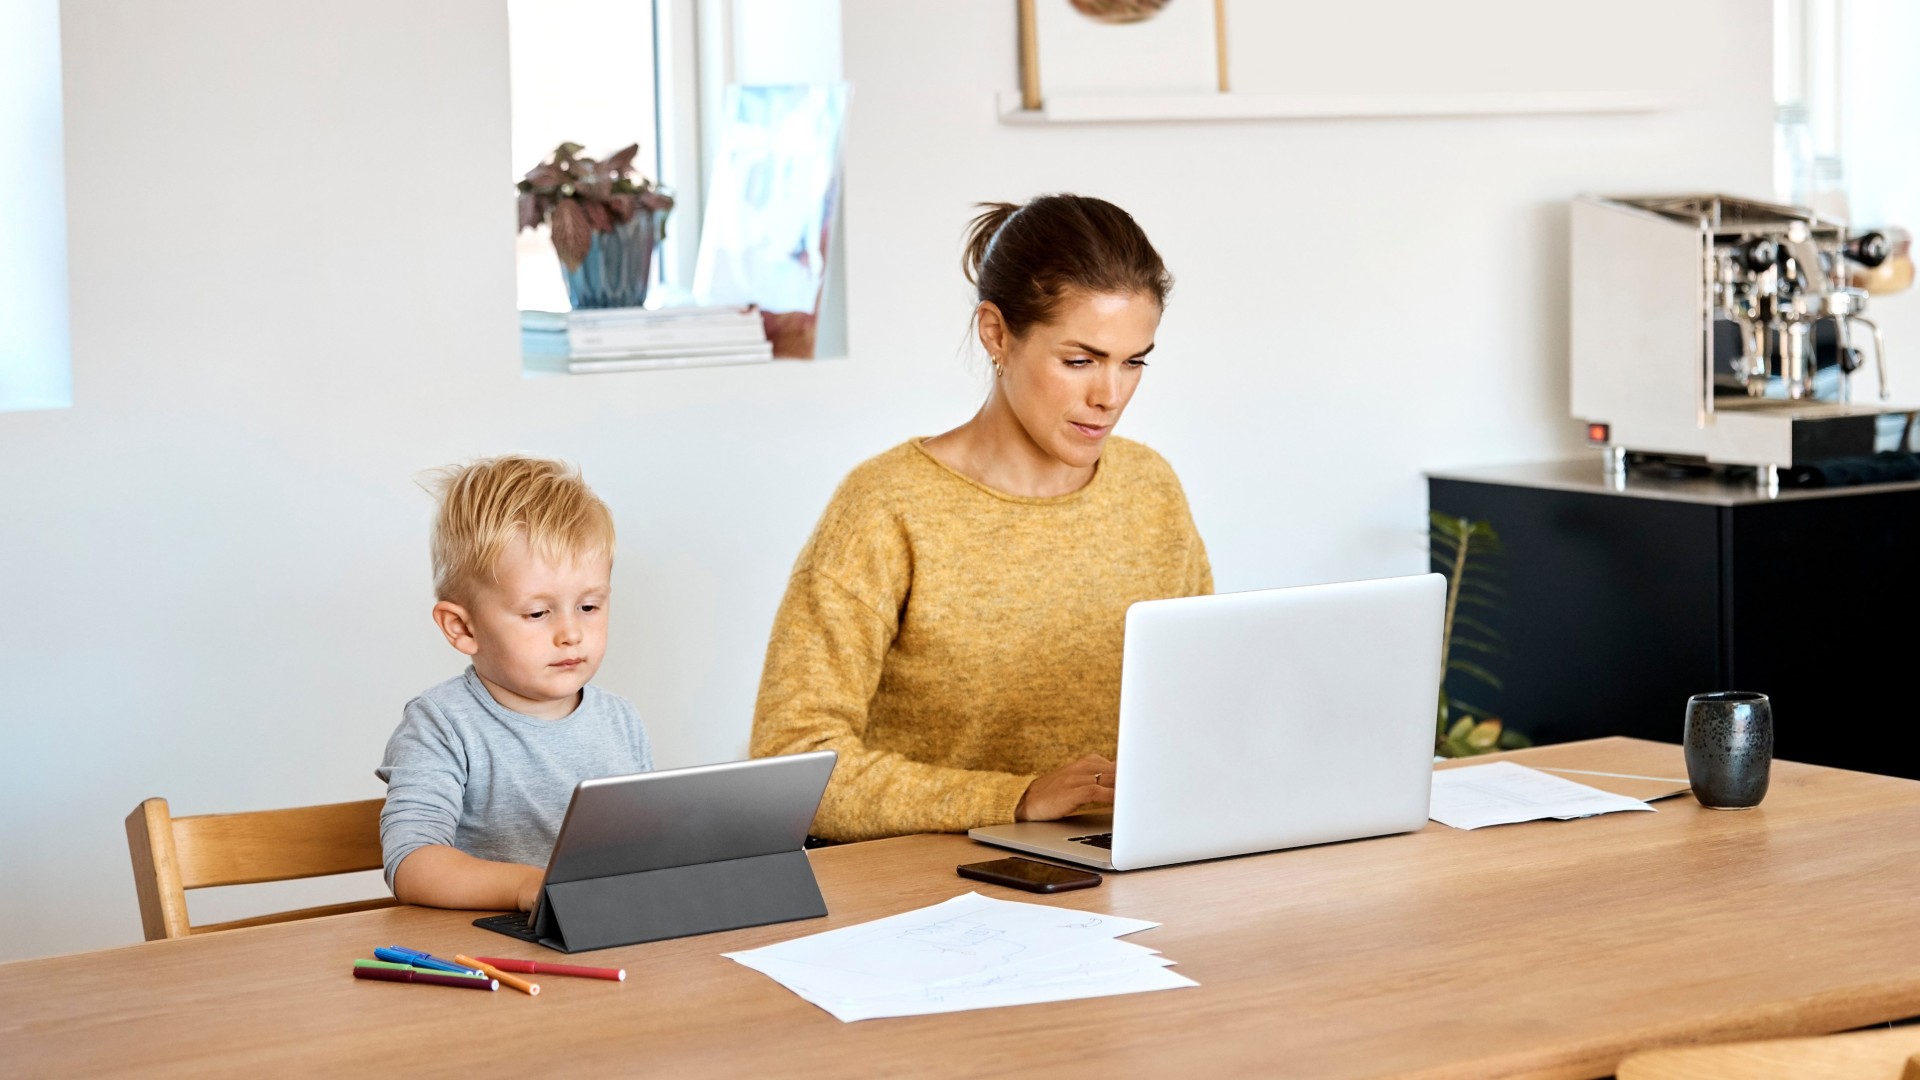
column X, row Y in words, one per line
column 1599, row 433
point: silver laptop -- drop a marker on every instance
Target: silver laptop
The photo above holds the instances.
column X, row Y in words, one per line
column 1262, row 720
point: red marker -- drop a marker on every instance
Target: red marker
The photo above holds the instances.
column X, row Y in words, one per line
column 528, row 967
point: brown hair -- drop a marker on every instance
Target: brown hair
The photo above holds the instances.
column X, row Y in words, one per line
column 1026, row 258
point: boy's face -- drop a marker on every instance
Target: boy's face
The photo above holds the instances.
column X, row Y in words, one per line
column 537, row 633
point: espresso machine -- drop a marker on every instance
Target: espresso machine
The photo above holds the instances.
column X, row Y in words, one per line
column 1715, row 329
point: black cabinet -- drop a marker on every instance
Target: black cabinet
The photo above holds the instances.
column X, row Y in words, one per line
column 1623, row 602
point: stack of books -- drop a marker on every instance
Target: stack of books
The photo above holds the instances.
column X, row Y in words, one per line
column 634, row 339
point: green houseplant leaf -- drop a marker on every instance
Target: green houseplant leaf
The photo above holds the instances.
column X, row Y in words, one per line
column 1467, row 553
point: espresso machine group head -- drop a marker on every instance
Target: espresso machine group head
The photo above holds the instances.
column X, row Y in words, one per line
column 1721, row 329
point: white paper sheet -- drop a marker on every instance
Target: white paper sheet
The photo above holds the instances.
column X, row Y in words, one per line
column 1104, row 984
column 1504, row 793
column 971, row 952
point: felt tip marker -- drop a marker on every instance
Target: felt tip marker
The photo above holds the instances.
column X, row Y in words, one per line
column 394, row 954
column 384, row 965
column 431, row 978
column 528, row 988
column 528, row 967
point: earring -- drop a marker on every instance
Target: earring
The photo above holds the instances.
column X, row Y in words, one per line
column 997, row 369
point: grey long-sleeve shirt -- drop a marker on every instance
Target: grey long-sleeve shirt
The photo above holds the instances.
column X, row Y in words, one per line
column 464, row 771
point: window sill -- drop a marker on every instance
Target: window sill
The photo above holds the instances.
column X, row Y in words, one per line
column 534, row 367
column 1148, row 108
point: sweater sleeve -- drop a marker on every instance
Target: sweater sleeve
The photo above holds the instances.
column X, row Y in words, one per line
column 425, row 768
column 823, row 665
column 1199, row 568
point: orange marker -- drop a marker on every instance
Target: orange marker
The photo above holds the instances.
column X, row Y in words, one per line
column 522, row 985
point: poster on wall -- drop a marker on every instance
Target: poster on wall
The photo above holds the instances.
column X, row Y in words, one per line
column 770, row 207
column 1124, row 47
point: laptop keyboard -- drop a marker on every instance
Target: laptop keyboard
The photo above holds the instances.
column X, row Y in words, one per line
column 1099, row 840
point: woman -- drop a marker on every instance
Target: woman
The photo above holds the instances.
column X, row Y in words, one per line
column 953, row 627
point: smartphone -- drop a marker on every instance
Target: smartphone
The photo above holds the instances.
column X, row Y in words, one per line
column 1029, row 875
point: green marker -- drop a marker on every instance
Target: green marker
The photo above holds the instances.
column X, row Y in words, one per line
column 384, row 966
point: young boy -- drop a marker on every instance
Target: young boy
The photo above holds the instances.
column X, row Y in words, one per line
column 482, row 766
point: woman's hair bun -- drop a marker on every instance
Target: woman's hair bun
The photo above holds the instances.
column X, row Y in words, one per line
column 1026, row 258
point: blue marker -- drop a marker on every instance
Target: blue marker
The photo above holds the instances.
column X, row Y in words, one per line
column 394, row 954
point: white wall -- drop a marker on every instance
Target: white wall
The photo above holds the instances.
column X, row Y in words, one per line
column 1356, row 301
column 215, row 562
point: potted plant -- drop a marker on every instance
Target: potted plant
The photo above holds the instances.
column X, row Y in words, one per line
column 605, row 220
column 1464, row 550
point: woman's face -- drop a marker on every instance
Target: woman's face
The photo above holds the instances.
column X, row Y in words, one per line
column 1068, row 380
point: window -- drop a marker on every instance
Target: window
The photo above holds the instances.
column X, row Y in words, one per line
column 606, row 73
column 34, row 352
column 1848, row 101
column 583, row 71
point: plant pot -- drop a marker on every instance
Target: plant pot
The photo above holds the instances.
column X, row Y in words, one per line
column 619, row 266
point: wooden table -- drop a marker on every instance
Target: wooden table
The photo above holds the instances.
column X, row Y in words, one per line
column 1543, row 949
column 1879, row 1054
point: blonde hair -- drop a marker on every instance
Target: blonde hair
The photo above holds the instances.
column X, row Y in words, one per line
column 486, row 505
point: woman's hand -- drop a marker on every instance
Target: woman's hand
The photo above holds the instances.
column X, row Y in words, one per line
column 1066, row 789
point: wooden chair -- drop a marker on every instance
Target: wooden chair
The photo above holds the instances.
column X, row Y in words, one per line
column 172, row 855
column 1875, row 1054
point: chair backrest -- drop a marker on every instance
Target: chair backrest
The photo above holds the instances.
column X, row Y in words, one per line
column 1874, row 1054
column 172, row 855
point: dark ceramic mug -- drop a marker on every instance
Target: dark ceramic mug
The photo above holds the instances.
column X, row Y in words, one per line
column 1729, row 741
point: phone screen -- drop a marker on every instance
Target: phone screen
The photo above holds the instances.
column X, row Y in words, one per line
column 1029, row 873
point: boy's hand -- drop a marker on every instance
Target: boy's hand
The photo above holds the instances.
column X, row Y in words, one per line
column 530, row 887
column 442, row 876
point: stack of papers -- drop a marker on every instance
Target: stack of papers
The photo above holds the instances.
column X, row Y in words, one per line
column 1503, row 793
column 972, row 952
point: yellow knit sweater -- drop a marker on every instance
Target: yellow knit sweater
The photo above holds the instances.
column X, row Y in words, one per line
column 952, row 642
